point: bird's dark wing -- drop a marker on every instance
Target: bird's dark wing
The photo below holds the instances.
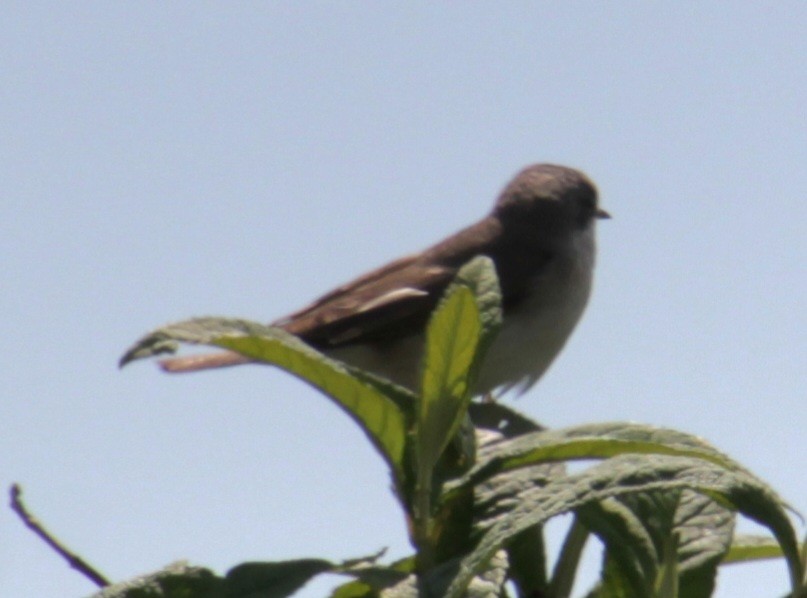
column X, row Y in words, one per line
column 391, row 302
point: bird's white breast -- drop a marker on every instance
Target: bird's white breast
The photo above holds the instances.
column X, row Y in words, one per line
column 532, row 335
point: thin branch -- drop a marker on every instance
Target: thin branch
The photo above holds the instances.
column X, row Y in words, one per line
column 75, row 561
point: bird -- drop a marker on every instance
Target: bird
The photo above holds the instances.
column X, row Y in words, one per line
column 540, row 236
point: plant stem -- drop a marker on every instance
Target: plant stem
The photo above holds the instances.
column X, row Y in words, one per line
column 423, row 522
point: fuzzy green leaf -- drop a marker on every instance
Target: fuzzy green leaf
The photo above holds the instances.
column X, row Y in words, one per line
column 178, row 580
column 273, row 580
column 637, row 530
column 451, row 343
column 624, row 475
column 752, row 548
column 593, row 441
column 460, row 330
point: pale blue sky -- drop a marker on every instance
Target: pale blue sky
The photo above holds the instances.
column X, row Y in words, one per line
column 161, row 161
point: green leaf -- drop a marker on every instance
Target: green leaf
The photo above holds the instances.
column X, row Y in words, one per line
column 641, row 557
column 527, row 556
column 615, row 583
column 379, row 413
column 704, row 530
column 452, row 355
column 703, row 541
column 667, row 582
column 178, row 580
column 630, row 474
column 630, row 558
column 452, row 339
column 479, row 275
column 490, row 582
column 460, row 330
column 591, row 442
column 273, row 580
column 752, row 548
column 496, row 496
column 374, row 580
column 283, row 578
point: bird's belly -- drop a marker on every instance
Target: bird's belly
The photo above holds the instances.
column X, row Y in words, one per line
column 531, row 337
column 527, row 345
column 535, row 332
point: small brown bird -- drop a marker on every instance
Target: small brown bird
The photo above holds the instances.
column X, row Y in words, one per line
column 540, row 236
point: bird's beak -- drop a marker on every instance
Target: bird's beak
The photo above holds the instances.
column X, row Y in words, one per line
column 603, row 215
